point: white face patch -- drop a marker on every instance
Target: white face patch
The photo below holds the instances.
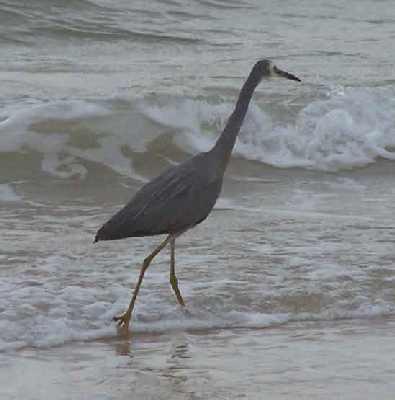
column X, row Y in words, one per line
column 272, row 70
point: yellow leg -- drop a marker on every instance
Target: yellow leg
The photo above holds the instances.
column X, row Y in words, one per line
column 173, row 278
column 123, row 320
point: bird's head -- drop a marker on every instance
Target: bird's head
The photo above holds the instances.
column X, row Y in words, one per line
column 266, row 69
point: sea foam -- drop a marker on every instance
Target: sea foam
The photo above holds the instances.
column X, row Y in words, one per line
column 347, row 128
column 7, row 194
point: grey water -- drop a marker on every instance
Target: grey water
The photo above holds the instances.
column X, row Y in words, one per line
column 289, row 284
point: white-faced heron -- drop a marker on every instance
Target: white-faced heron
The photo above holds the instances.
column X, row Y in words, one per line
column 184, row 195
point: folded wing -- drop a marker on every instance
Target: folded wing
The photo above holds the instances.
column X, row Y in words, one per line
column 176, row 200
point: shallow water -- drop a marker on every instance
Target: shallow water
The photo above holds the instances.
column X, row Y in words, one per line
column 340, row 359
column 97, row 98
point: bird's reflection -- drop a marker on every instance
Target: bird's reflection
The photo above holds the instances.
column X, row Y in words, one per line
column 180, row 351
column 166, row 361
column 178, row 370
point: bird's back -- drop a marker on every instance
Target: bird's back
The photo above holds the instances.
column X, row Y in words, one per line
column 173, row 202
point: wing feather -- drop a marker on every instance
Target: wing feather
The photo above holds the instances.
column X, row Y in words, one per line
column 179, row 198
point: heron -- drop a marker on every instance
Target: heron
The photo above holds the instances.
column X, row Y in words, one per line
column 183, row 195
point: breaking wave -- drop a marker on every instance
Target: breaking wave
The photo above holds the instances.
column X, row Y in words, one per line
column 348, row 128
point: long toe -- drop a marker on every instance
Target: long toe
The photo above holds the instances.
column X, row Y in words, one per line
column 180, row 301
column 122, row 320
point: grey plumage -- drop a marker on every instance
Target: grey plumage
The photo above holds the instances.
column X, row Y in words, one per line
column 184, row 195
column 187, row 193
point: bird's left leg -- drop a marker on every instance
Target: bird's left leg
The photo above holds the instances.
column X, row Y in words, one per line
column 124, row 319
column 173, row 278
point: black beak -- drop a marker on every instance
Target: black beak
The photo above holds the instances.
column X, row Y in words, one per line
column 284, row 74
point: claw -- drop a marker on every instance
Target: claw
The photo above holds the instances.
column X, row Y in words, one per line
column 122, row 320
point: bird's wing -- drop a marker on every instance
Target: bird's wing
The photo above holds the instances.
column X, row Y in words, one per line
column 167, row 186
column 179, row 198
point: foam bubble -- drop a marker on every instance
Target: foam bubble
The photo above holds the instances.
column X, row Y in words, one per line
column 7, row 194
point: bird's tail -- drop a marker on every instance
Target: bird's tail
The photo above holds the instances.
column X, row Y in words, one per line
column 99, row 235
column 111, row 231
column 104, row 233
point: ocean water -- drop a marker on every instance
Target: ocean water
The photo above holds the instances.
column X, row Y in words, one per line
column 297, row 259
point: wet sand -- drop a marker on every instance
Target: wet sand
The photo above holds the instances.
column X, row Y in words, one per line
column 325, row 360
column 290, row 283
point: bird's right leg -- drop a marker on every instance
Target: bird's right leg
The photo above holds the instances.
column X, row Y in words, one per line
column 173, row 278
column 123, row 320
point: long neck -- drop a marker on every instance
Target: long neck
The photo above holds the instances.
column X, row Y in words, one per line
column 225, row 143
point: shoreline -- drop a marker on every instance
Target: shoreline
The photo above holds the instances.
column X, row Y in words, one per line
column 351, row 358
